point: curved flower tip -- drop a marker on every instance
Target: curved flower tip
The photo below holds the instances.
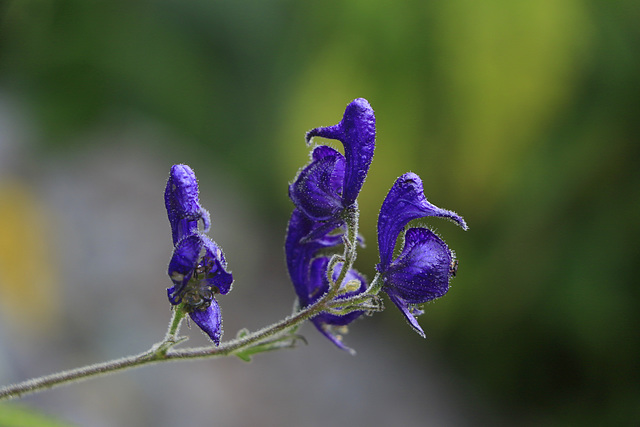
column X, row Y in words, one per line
column 183, row 203
column 357, row 132
column 209, row 320
column 405, row 202
column 358, row 116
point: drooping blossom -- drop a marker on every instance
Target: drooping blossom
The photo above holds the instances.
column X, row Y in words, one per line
column 197, row 267
column 422, row 270
column 324, row 192
column 307, row 265
column 329, row 185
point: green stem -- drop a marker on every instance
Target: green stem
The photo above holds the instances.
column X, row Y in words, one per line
column 350, row 245
column 373, row 290
column 176, row 320
column 171, row 337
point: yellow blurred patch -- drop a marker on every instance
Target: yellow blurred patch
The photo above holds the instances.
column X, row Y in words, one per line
column 510, row 68
column 28, row 277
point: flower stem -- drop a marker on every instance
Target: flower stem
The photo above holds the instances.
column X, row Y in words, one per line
column 176, row 320
column 350, row 245
column 164, row 351
column 74, row 375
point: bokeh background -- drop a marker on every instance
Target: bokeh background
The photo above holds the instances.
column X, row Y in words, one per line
column 520, row 116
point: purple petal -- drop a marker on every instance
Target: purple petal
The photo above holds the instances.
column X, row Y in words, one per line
column 405, row 202
column 323, row 231
column 357, row 132
column 325, row 322
column 215, row 264
column 182, row 203
column 299, row 253
column 184, row 260
column 318, row 285
column 322, row 151
column 327, row 331
column 308, row 272
column 209, row 320
column 317, row 189
column 421, row 272
column 408, row 313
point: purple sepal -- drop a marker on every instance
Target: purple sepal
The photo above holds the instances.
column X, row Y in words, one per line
column 187, row 259
column 308, row 271
column 408, row 312
column 357, row 132
column 319, row 285
column 421, row 272
column 215, row 265
column 299, row 254
column 317, row 189
column 183, row 204
column 321, row 231
column 209, row 320
column 405, row 202
column 328, row 331
column 197, row 267
column 184, row 261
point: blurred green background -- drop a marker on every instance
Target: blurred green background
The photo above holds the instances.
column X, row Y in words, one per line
column 520, row 116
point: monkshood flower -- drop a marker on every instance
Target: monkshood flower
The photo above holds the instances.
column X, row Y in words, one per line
column 308, row 271
column 422, row 271
column 197, row 267
column 331, row 182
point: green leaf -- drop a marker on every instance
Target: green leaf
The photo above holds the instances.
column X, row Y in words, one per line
column 12, row 415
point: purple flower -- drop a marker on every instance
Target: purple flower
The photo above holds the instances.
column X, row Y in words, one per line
column 422, row 270
column 308, row 271
column 317, row 189
column 197, row 267
column 183, row 204
column 331, row 182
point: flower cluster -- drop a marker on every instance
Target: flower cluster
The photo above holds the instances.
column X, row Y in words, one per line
column 331, row 293
column 325, row 195
column 422, row 270
column 322, row 238
column 197, row 267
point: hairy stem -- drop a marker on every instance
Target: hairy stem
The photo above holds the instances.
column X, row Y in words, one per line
column 75, row 375
column 164, row 351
